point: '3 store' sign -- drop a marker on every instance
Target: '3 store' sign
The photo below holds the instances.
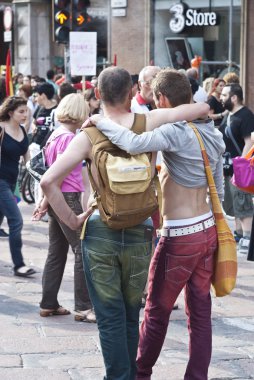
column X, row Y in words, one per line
column 182, row 16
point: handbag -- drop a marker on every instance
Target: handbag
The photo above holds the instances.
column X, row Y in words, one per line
column 36, row 166
column 225, row 260
column 243, row 177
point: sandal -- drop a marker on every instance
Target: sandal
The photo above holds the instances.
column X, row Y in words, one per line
column 80, row 315
column 49, row 312
column 85, row 316
column 24, row 271
column 90, row 317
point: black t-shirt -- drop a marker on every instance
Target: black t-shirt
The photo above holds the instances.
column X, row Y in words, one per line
column 241, row 124
column 42, row 118
column 216, row 106
column 11, row 152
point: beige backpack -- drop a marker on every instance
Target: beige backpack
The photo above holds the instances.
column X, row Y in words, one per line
column 126, row 192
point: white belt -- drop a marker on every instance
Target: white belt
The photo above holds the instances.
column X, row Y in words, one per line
column 188, row 230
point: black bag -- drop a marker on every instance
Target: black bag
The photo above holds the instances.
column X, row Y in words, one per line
column 227, row 164
column 36, row 166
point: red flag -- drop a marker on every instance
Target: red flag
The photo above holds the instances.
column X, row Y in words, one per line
column 115, row 60
column 8, row 75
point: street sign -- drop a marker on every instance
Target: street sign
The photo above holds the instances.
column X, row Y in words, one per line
column 7, row 36
column 118, row 3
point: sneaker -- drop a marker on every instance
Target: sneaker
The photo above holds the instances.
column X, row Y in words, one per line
column 237, row 236
column 3, row 234
column 243, row 246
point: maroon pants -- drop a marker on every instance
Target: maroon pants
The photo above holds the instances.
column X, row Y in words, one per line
column 179, row 262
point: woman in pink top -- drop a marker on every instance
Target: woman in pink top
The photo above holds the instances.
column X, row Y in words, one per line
column 71, row 112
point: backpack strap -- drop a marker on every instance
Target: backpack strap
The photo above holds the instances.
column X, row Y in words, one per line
column 139, row 124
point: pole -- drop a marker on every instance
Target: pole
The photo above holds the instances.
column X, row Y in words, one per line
column 67, row 62
column 230, row 36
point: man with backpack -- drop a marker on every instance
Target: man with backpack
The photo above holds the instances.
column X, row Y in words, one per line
column 116, row 244
column 184, row 257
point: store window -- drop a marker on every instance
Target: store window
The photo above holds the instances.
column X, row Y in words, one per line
column 188, row 28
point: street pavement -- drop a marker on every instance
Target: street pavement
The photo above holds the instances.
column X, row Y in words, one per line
column 35, row 348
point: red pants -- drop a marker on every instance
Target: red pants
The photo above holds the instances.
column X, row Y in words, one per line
column 179, row 262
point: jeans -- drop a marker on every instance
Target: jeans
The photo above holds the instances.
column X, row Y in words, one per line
column 9, row 209
column 179, row 262
column 60, row 237
column 116, row 264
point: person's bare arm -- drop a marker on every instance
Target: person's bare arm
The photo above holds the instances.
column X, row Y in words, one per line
column 248, row 144
column 87, row 189
column 78, row 150
column 26, row 156
column 156, row 118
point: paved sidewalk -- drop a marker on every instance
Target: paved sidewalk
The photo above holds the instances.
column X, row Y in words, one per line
column 35, row 348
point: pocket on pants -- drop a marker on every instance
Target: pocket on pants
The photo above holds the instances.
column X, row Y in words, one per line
column 178, row 269
column 139, row 271
column 101, row 266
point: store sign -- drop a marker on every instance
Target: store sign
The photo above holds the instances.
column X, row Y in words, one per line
column 118, row 3
column 182, row 17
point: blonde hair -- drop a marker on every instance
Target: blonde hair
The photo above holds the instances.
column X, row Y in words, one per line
column 231, row 77
column 72, row 109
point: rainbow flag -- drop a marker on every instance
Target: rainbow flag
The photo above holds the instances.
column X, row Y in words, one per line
column 8, row 75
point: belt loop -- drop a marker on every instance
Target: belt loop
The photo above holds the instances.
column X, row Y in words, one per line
column 203, row 224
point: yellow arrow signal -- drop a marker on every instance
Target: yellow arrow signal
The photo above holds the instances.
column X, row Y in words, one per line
column 80, row 20
column 62, row 17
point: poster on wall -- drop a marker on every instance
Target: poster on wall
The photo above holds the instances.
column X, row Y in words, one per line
column 83, row 53
column 179, row 53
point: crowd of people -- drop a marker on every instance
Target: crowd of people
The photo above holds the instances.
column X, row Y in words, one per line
column 166, row 253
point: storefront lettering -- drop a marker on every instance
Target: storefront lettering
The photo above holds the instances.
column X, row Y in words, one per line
column 182, row 17
column 198, row 18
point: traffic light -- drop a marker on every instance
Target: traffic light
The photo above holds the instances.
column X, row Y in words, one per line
column 61, row 20
column 80, row 17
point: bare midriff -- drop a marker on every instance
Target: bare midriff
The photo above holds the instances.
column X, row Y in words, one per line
column 180, row 202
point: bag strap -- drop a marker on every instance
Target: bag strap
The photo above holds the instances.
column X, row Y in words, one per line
column 217, row 210
column 1, row 141
column 228, row 133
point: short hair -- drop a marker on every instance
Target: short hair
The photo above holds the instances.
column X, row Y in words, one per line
column 114, row 84
column 235, row 89
column 10, row 104
column 134, row 78
column 27, row 88
column 45, row 88
column 174, row 85
column 143, row 72
column 231, row 77
column 65, row 89
column 192, row 73
column 50, row 74
column 72, row 109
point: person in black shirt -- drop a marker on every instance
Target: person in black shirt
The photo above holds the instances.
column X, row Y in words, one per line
column 237, row 129
column 42, row 120
column 217, row 110
column 13, row 113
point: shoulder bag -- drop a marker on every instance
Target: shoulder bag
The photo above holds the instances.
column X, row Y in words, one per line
column 225, row 262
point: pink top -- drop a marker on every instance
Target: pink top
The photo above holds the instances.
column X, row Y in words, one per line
column 57, row 143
